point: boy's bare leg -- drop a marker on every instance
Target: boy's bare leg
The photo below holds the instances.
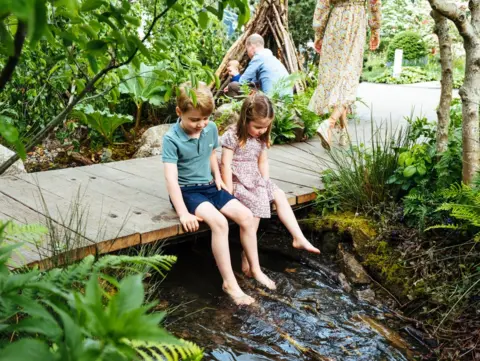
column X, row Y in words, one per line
column 245, row 264
column 221, row 252
column 242, row 216
column 286, row 215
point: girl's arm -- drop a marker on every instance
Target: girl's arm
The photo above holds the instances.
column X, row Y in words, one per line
column 263, row 165
column 227, row 156
column 320, row 18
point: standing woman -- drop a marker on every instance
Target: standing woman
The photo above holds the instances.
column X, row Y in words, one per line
column 340, row 32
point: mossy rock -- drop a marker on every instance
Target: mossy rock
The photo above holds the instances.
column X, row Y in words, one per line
column 360, row 229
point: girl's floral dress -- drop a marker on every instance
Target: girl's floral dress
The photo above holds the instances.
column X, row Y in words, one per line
column 249, row 187
column 342, row 26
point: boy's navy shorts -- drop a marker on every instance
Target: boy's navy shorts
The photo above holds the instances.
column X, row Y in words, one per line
column 193, row 196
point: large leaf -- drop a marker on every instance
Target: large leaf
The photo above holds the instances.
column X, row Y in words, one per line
column 27, row 349
column 144, row 85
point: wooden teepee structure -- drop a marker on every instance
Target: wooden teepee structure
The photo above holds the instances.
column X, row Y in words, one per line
column 271, row 22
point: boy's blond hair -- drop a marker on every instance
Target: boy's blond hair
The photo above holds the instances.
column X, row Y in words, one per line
column 234, row 63
column 205, row 103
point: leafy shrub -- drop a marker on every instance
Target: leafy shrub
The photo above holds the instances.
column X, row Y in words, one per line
column 102, row 121
column 83, row 313
column 409, row 75
column 357, row 177
column 412, row 44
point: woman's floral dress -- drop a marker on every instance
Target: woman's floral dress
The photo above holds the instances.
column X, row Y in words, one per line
column 342, row 26
column 249, row 187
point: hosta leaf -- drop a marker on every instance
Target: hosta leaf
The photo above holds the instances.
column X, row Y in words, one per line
column 409, row 171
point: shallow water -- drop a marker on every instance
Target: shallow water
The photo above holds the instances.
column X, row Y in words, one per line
column 309, row 316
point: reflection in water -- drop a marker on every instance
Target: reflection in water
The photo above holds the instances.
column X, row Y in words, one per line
column 309, row 317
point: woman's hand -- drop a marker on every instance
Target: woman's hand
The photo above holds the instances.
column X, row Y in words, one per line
column 318, row 45
column 374, row 41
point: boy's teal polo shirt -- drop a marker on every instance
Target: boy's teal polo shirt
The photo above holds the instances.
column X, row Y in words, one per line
column 191, row 155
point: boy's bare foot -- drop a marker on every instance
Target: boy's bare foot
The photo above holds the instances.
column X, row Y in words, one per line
column 238, row 296
column 264, row 280
column 246, row 266
column 303, row 243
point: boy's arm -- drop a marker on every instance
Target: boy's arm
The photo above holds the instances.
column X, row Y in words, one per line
column 227, row 156
column 263, row 165
column 188, row 221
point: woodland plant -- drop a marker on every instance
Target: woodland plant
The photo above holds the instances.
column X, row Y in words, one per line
column 82, row 312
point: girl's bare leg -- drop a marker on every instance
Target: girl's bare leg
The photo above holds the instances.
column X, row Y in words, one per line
column 286, row 215
column 245, row 265
column 221, row 252
column 242, row 216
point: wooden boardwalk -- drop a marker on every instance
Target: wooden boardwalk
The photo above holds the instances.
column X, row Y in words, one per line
column 107, row 207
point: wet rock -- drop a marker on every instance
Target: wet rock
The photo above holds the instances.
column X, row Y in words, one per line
column 152, row 141
column 330, row 241
column 16, row 168
column 354, row 271
column 344, row 283
column 106, row 155
column 366, row 295
column 226, row 115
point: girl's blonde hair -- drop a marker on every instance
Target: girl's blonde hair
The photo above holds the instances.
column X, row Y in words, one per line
column 255, row 106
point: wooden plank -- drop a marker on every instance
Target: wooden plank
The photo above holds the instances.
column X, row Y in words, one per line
column 290, row 152
column 294, row 177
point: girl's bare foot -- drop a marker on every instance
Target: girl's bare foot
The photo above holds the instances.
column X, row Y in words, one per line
column 246, row 266
column 303, row 243
column 237, row 295
column 264, row 280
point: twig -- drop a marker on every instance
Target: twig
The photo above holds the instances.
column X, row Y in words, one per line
column 12, row 61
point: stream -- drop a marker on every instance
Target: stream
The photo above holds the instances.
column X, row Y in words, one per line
column 308, row 317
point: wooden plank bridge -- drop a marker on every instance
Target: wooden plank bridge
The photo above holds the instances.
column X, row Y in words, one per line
column 107, row 207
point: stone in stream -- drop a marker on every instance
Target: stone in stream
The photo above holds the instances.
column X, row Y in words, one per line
column 16, row 168
column 152, row 141
column 354, row 271
column 330, row 241
column 344, row 283
column 366, row 295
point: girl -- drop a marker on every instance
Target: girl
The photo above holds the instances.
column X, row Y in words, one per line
column 245, row 169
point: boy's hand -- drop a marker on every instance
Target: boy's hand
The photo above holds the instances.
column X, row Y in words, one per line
column 221, row 185
column 190, row 222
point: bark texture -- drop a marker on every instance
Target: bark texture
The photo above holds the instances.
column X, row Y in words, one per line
column 443, row 111
column 470, row 90
column 271, row 22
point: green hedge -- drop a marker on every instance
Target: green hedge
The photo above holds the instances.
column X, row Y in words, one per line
column 412, row 44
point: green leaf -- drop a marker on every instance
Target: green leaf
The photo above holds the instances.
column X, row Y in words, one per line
column 96, row 46
column 7, row 130
column 89, row 31
column 89, row 5
column 132, row 20
column 93, row 63
column 6, row 39
column 409, row 171
column 203, row 19
column 421, row 169
column 131, row 294
column 143, row 49
column 217, row 81
column 26, row 349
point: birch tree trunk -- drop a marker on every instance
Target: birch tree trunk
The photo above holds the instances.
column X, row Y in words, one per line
column 469, row 29
column 443, row 111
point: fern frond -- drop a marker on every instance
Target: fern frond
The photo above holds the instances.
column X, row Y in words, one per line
column 444, row 226
column 25, row 233
column 157, row 262
column 153, row 351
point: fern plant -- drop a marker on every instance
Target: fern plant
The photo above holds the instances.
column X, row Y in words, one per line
column 83, row 313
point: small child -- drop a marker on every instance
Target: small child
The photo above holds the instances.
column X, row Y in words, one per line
column 195, row 185
column 233, row 69
column 245, row 169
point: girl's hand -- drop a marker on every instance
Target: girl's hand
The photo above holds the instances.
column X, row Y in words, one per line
column 190, row 222
column 318, row 45
column 374, row 40
column 221, row 185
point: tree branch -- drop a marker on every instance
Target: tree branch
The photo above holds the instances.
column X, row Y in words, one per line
column 89, row 87
column 459, row 17
column 12, row 61
column 474, row 6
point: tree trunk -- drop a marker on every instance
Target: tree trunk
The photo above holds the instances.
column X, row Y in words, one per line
column 443, row 111
column 469, row 29
column 138, row 116
column 470, row 94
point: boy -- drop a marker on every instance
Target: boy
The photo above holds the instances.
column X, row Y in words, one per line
column 195, row 187
column 233, row 69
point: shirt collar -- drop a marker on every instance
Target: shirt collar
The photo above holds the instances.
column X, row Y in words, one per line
column 184, row 136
